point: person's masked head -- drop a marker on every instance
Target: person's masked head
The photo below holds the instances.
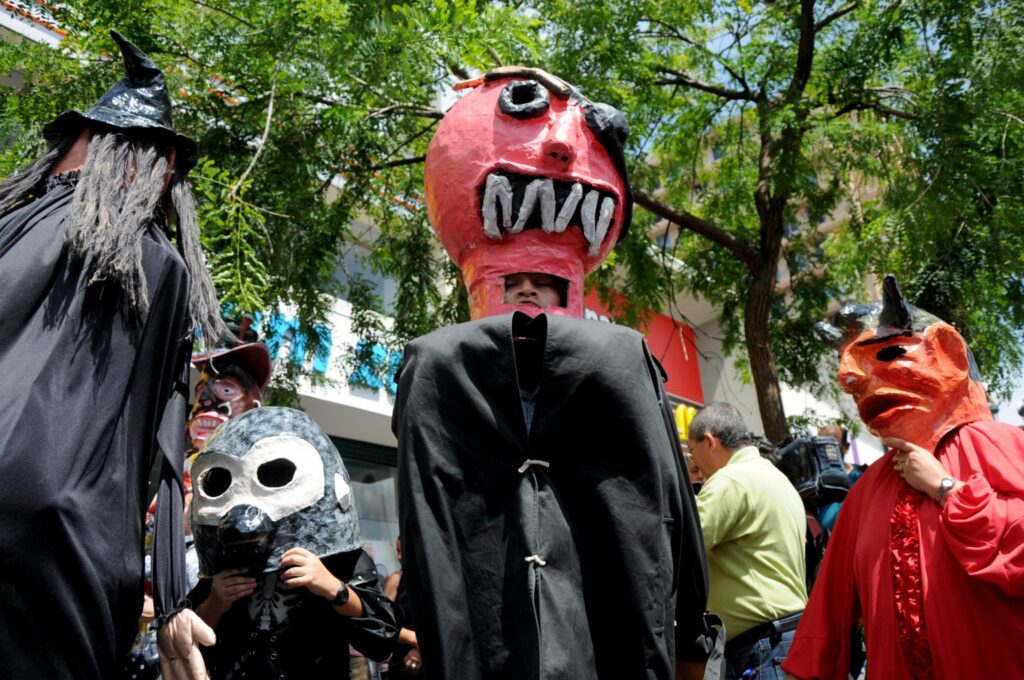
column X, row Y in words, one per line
column 231, row 382
column 910, row 373
column 526, row 177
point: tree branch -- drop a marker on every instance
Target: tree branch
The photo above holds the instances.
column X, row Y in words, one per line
column 226, row 13
column 679, row 35
column 410, row 109
column 691, row 222
column 266, row 127
column 877, row 107
column 494, row 55
column 804, row 54
column 686, row 80
column 838, row 14
column 1009, row 115
column 397, row 163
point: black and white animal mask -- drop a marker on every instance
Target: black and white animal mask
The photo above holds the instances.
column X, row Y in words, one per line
column 267, row 481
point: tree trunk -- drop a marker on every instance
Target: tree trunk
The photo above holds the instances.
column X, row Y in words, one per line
column 756, row 319
column 761, row 290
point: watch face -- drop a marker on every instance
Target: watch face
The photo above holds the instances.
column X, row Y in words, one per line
column 945, row 485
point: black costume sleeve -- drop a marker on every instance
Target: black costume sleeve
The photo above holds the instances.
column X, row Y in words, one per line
column 373, row 633
column 170, row 585
column 694, row 633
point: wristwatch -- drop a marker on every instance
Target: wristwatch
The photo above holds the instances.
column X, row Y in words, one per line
column 342, row 596
column 945, row 486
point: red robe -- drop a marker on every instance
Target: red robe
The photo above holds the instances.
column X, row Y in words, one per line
column 968, row 622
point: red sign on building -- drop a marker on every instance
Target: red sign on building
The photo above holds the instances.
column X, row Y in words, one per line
column 672, row 344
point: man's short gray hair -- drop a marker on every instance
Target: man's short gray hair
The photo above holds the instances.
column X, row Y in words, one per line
column 724, row 422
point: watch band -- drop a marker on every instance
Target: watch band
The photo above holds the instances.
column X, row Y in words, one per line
column 342, row 597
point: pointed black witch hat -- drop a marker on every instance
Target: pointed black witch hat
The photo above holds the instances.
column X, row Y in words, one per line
column 138, row 102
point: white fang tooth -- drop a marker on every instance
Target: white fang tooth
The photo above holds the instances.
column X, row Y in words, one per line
column 526, row 207
column 603, row 222
column 587, row 214
column 546, row 193
column 497, row 188
column 568, row 208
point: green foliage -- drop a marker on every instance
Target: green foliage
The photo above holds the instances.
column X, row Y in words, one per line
column 896, row 147
column 233, row 234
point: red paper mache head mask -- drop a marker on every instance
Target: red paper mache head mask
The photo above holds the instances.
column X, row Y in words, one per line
column 910, row 373
column 525, row 174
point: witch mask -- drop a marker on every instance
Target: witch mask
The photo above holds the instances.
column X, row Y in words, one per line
column 910, row 373
column 526, row 175
column 270, row 480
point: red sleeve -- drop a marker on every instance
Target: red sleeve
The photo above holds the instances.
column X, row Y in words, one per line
column 821, row 647
column 983, row 522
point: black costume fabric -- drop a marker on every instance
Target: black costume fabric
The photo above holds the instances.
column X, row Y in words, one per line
column 555, row 552
column 87, row 384
column 280, row 632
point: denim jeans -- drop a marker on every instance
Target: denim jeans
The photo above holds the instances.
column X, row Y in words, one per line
column 761, row 659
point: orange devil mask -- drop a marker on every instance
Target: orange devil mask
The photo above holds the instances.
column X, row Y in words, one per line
column 910, row 373
column 524, row 174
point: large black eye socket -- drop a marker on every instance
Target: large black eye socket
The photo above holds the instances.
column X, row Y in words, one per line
column 524, row 99
column 216, row 481
column 276, row 473
column 890, row 353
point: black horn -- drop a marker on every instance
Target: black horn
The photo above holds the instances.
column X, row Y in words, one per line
column 895, row 312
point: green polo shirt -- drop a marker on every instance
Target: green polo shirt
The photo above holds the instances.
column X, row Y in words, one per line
column 754, row 528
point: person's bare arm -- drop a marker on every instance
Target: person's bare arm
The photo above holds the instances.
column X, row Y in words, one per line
column 407, row 636
column 391, row 585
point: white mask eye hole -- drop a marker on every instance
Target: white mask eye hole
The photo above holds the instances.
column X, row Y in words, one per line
column 215, row 482
column 276, row 473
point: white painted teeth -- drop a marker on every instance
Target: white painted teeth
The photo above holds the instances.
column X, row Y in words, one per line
column 604, row 220
column 595, row 212
column 587, row 215
column 526, row 207
column 499, row 188
column 546, row 192
column 569, row 207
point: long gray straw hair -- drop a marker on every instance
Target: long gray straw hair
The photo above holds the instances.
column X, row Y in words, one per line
column 118, row 196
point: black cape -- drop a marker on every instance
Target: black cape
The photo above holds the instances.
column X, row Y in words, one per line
column 87, row 385
column 291, row 633
column 564, row 570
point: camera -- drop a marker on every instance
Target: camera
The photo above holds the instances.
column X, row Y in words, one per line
column 815, row 467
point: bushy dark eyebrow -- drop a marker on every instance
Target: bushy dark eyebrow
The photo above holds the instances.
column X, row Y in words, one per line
column 885, row 338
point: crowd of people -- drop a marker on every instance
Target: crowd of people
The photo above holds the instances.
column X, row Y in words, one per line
column 533, row 546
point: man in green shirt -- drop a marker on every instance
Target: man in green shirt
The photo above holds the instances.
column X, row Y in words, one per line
column 754, row 526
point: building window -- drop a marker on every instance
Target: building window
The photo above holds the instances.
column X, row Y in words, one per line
column 356, row 264
column 373, row 472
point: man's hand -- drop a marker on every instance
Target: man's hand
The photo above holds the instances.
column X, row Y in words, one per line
column 918, row 466
column 413, row 662
column 303, row 568
column 178, row 640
